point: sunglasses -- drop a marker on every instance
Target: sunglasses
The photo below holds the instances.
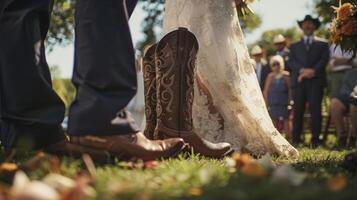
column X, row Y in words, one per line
column 276, row 64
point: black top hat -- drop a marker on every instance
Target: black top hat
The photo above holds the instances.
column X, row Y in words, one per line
column 316, row 21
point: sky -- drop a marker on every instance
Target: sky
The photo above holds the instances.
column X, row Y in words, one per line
column 274, row 13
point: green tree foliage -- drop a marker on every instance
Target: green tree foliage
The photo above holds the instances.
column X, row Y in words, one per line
column 62, row 23
column 266, row 39
column 250, row 23
column 292, row 35
column 324, row 9
column 55, row 71
column 154, row 17
column 65, row 89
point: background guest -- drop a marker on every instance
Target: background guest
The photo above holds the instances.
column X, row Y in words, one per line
column 261, row 68
column 277, row 93
column 280, row 46
column 340, row 63
column 344, row 102
column 307, row 61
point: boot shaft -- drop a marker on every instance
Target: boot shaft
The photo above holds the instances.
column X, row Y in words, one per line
column 175, row 66
column 149, row 73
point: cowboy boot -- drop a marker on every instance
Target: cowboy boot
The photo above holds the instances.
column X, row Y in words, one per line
column 150, row 90
column 175, row 71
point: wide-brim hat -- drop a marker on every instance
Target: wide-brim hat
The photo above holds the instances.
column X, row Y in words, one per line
column 256, row 50
column 316, row 21
column 279, row 39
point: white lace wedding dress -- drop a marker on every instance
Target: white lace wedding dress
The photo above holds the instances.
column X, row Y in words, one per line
column 223, row 64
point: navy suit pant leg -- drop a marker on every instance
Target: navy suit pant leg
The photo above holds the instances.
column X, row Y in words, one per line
column 299, row 98
column 314, row 98
column 311, row 92
column 30, row 111
column 104, row 71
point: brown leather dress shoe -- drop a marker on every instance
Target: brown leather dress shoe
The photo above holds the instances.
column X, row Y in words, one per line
column 66, row 148
column 175, row 71
column 132, row 146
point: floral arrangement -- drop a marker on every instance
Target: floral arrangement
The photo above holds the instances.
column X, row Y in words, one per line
column 243, row 8
column 344, row 27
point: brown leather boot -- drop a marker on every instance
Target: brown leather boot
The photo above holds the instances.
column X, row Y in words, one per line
column 150, row 90
column 132, row 146
column 175, row 70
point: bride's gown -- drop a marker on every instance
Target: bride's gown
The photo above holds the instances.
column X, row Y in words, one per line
column 224, row 66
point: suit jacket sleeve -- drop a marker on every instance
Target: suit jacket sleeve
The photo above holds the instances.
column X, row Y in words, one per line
column 323, row 61
column 293, row 63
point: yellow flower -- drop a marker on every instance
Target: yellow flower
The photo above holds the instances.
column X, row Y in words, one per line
column 337, row 183
column 254, row 169
column 345, row 12
column 335, row 35
column 195, row 191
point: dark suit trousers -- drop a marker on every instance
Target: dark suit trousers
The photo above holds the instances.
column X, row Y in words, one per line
column 311, row 92
column 104, row 70
column 104, row 74
column 30, row 111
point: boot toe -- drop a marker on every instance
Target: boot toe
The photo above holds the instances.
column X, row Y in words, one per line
column 218, row 150
column 225, row 149
column 172, row 147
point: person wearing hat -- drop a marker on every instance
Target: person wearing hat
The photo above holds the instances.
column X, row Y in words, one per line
column 281, row 48
column 340, row 62
column 307, row 60
column 261, row 68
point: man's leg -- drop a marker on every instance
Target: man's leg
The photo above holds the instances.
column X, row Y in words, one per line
column 3, row 5
column 353, row 118
column 105, row 78
column 30, row 110
column 314, row 97
column 338, row 111
column 104, row 71
column 299, row 109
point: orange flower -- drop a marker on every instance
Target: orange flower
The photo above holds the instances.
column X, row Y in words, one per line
column 345, row 12
column 254, row 169
column 8, row 167
column 350, row 28
column 195, row 191
column 242, row 159
column 335, row 35
column 337, row 183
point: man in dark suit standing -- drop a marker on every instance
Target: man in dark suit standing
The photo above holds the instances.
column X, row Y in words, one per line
column 307, row 61
column 104, row 75
column 261, row 67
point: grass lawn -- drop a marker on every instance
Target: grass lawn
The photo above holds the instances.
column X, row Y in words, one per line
column 198, row 178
